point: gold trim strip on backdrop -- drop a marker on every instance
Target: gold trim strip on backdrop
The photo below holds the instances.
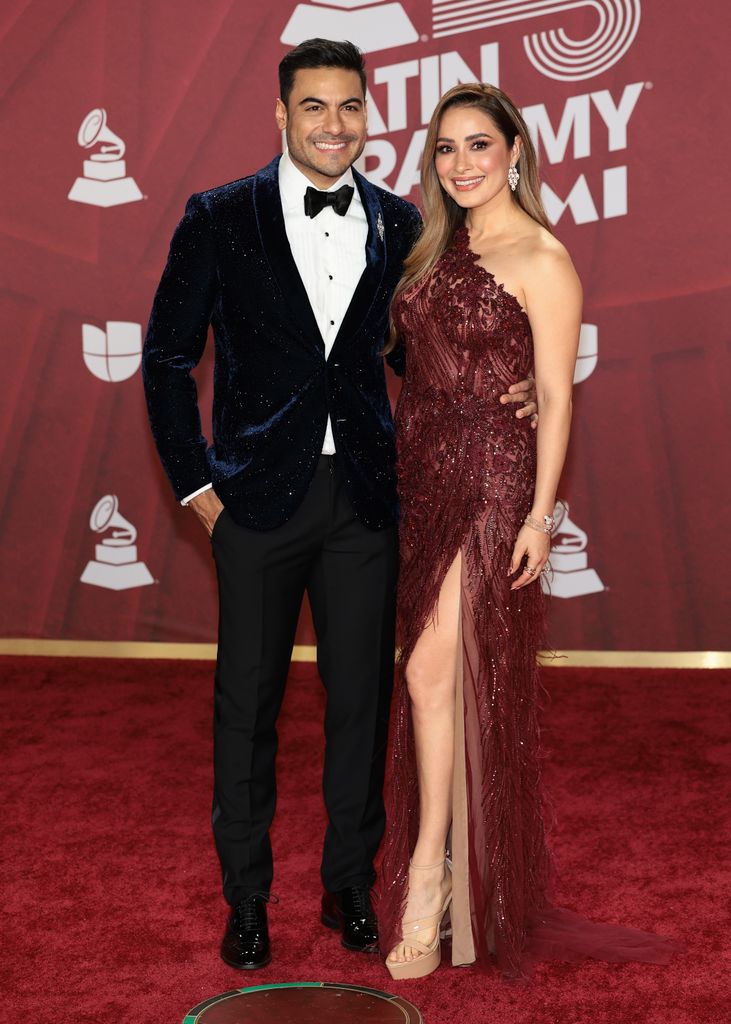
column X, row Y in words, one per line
column 207, row 652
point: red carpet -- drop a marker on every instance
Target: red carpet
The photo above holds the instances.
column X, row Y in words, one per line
column 111, row 888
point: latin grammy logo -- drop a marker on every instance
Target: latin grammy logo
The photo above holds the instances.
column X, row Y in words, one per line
column 115, row 566
column 370, row 24
column 114, row 354
column 570, row 573
column 554, row 53
column 105, row 181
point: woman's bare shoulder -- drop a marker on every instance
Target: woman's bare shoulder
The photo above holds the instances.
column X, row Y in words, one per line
column 547, row 260
column 548, row 269
column 539, row 246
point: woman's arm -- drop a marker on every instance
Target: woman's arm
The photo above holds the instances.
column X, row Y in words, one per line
column 553, row 302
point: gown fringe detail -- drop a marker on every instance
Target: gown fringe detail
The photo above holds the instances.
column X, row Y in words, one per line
column 466, row 471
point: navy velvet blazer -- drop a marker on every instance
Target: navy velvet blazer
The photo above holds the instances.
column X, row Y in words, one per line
column 230, row 265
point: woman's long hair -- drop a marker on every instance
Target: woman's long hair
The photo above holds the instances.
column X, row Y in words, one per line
column 442, row 215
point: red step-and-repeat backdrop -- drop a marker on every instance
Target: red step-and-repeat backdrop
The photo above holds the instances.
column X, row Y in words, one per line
column 626, row 101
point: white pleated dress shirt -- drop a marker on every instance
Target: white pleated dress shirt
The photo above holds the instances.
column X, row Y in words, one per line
column 329, row 252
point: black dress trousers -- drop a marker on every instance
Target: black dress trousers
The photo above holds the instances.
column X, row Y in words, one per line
column 349, row 573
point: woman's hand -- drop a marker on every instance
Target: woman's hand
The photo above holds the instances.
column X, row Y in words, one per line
column 535, row 546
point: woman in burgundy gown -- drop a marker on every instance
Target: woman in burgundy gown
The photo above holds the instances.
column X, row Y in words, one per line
column 477, row 489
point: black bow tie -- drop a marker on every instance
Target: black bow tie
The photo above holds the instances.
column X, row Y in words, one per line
column 339, row 200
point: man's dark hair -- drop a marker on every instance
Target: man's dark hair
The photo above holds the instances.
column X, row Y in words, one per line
column 319, row 53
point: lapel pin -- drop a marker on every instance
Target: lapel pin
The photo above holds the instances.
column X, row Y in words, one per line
column 379, row 225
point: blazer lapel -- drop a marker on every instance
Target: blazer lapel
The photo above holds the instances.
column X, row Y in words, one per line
column 270, row 221
column 369, row 283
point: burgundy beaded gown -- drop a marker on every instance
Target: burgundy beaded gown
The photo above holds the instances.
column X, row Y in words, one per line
column 466, row 472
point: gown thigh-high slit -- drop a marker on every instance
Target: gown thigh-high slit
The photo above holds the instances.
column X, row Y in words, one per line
column 466, row 472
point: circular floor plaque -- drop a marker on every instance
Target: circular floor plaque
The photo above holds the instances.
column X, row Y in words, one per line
column 304, row 1003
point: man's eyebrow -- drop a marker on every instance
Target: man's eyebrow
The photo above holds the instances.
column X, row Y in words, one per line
column 467, row 138
column 322, row 103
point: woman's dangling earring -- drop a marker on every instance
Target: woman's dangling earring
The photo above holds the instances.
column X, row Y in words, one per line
column 513, row 178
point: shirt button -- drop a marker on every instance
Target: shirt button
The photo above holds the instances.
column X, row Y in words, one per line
column 327, row 234
column 330, row 276
column 332, row 323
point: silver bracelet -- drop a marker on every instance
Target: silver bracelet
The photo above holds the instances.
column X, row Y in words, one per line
column 544, row 525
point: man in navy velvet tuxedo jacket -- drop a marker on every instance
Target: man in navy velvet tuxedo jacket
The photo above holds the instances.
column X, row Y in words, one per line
column 231, row 265
column 296, row 281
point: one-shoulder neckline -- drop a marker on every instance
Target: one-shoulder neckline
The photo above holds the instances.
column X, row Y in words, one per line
column 461, row 240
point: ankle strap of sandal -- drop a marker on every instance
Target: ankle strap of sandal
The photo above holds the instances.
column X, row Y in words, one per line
column 426, row 867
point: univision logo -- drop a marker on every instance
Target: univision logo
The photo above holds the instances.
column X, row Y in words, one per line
column 382, row 24
column 113, row 354
column 588, row 354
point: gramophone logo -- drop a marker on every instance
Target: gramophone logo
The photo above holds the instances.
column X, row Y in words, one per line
column 105, row 181
column 570, row 573
column 115, row 566
column 113, row 354
column 370, row 25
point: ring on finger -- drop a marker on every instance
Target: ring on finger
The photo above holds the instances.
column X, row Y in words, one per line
column 531, row 572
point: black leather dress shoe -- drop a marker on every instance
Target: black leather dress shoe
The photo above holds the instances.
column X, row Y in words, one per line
column 245, row 942
column 350, row 911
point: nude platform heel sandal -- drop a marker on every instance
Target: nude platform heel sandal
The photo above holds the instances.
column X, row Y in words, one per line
column 429, row 956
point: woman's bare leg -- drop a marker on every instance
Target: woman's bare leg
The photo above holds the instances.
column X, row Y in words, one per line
column 431, row 680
